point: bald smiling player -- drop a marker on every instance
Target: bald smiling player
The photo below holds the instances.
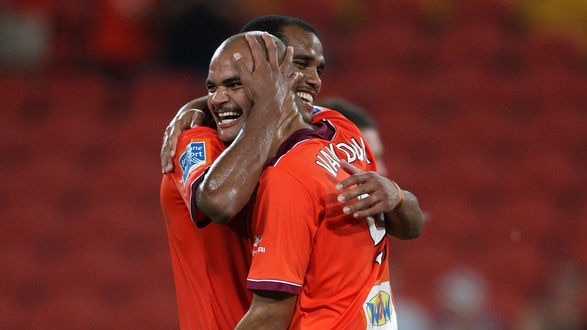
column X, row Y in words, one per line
column 312, row 265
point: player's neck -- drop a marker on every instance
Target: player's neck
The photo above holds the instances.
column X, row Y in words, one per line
column 286, row 130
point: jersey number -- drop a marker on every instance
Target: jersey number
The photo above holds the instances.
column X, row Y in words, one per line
column 376, row 226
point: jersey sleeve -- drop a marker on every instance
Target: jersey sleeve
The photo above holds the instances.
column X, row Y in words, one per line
column 284, row 225
column 196, row 150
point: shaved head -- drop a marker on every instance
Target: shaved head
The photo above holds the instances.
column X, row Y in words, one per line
column 238, row 43
column 227, row 100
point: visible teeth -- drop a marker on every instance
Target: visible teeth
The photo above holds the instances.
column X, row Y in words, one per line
column 227, row 117
column 228, row 114
column 224, row 121
column 306, row 97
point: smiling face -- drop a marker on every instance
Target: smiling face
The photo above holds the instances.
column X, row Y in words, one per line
column 227, row 100
column 308, row 59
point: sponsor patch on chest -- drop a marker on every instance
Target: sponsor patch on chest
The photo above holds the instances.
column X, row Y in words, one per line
column 378, row 308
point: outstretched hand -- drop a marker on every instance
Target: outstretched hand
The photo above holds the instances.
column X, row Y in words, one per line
column 383, row 194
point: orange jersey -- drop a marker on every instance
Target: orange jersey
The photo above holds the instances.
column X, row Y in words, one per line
column 338, row 120
column 210, row 264
column 304, row 244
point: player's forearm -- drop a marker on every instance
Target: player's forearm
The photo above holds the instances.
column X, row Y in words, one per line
column 180, row 120
column 233, row 177
column 269, row 311
column 407, row 221
column 265, row 321
column 199, row 103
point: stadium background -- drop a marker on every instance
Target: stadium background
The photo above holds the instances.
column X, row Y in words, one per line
column 482, row 107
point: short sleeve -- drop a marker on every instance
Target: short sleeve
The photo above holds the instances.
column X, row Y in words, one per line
column 283, row 226
column 196, row 150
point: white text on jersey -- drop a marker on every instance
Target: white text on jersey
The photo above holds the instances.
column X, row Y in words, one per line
column 351, row 151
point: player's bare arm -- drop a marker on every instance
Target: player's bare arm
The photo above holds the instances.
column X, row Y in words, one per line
column 403, row 217
column 190, row 115
column 269, row 311
column 232, row 178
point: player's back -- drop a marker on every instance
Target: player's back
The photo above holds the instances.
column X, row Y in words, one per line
column 338, row 262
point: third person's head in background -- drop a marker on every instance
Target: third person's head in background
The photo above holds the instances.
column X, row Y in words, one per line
column 364, row 122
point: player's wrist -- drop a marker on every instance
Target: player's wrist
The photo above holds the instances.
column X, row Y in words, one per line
column 402, row 196
column 264, row 116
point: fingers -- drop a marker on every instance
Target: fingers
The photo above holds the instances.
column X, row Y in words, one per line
column 169, row 147
column 367, row 205
column 350, row 169
column 166, row 163
column 267, row 69
column 241, row 67
column 272, row 55
column 198, row 118
column 166, row 153
column 268, row 53
column 286, row 65
column 364, row 208
column 262, row 54
column 257, row 50
column 184, row 120
column 366, row 193
column 361, row 187
column 355, row 177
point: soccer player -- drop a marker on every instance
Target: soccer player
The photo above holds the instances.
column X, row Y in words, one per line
column 313, row 265
column 209, row 261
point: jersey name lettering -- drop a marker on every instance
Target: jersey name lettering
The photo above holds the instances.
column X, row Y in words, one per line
column 351, row 151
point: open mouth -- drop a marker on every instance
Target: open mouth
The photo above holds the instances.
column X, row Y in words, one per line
column 307, row 97
column 225, row 118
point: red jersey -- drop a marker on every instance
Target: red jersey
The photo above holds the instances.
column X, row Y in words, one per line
column 210, row 264
column 304, row 244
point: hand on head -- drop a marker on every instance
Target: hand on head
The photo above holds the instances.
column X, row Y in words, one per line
column 270, row 81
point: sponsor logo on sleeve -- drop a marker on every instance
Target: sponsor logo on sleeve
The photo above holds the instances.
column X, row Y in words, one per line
column 193, row 157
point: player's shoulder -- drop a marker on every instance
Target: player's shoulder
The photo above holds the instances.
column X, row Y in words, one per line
column 338, row 120
column 320, row 113
column 200, row 137
column 197, row 148
column 202, row 132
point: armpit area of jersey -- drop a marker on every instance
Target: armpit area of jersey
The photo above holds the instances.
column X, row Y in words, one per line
column 198, row 217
